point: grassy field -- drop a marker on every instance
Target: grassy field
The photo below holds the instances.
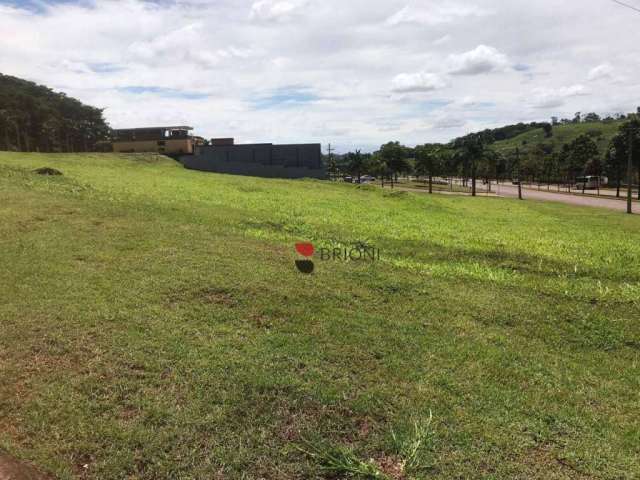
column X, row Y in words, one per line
column 153, row 325
column 600, row 132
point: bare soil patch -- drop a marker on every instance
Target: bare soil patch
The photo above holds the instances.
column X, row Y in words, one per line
column 13, row 469
column 47, row 171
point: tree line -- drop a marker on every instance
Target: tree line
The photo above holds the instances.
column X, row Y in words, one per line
column 474, row 157
column 34, row 118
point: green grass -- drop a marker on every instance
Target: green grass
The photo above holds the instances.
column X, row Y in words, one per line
column 153, row 325
column 422, row 185
column 562, row 134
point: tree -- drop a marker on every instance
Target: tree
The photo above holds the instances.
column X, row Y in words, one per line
column 630, row 131
column 378, row 167
column 595, row 167
column 578, row 154
column 394, row 157
column 550, row 168
column 471, row 150
column 592, row 117
column 616, row 159
column 516, row 171
column 564, row 164
column 356, row 164
column 488, row 167
column 530, row 162
column 427, row 162
column 34, row 118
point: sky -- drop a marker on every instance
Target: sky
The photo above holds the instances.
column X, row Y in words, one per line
column 353, row 73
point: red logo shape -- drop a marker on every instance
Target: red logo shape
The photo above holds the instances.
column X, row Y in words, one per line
column 305, row 249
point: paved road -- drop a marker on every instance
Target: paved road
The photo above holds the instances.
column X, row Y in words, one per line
column 505, row 190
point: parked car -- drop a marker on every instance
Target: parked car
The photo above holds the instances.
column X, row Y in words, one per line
column 590, row 182
column 363, row 179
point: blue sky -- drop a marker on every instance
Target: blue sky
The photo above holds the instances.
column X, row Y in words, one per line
column 355, row 73
column 284, row 97
column 38, row 5
column 163, row 92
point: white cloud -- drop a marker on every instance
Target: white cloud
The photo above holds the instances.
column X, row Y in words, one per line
column 442, row 40
column 417, row 82
column 553, row 98
column 482, row 59
column 275, row 10
column 604, row 70
column 448, row 123
column 468, row 101
column 434, row 14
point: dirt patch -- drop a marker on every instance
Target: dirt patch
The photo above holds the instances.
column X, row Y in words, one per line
column 364, row 427
column 128, row 414
column 216, row 296
column 208, row 295
column 82, row 465
column 392, row 467
column 395, row 194
column 47, row 171
column 13, row 469
column 543, row 463
column 261, row 321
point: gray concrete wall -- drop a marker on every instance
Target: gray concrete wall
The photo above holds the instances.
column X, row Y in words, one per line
column 259, row 160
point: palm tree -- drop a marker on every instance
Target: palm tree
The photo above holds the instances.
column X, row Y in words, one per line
column 356, row 164
column 378, row 166
column 471, row 150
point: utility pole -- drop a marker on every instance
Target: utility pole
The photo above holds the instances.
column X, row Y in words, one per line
column 630, row 174
column 330, row 156
column 519, row 180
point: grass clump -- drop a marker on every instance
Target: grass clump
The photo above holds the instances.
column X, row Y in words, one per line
column 342, row 461
column 414, row 445
column 410, row 451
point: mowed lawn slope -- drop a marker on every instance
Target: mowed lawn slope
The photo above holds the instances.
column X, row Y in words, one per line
column 153, row 325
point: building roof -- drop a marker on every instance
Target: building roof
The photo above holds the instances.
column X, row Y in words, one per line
column 183, row 127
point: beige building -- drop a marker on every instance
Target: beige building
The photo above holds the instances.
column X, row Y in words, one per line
column 169, row 140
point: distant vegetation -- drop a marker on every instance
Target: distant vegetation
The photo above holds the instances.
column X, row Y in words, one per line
column 600, row 132
column 555, row 152
column 35, row 118
column 511, row 131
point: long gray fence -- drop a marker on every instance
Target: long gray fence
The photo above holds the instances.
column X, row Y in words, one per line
column 259, row 160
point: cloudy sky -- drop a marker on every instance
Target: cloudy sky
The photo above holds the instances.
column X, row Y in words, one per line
column 355, row 73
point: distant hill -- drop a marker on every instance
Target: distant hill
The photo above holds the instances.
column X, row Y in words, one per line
column 35, row 118
column 601, row 133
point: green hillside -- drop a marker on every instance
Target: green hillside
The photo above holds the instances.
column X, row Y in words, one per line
column 153, row 326
column 600, row 132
